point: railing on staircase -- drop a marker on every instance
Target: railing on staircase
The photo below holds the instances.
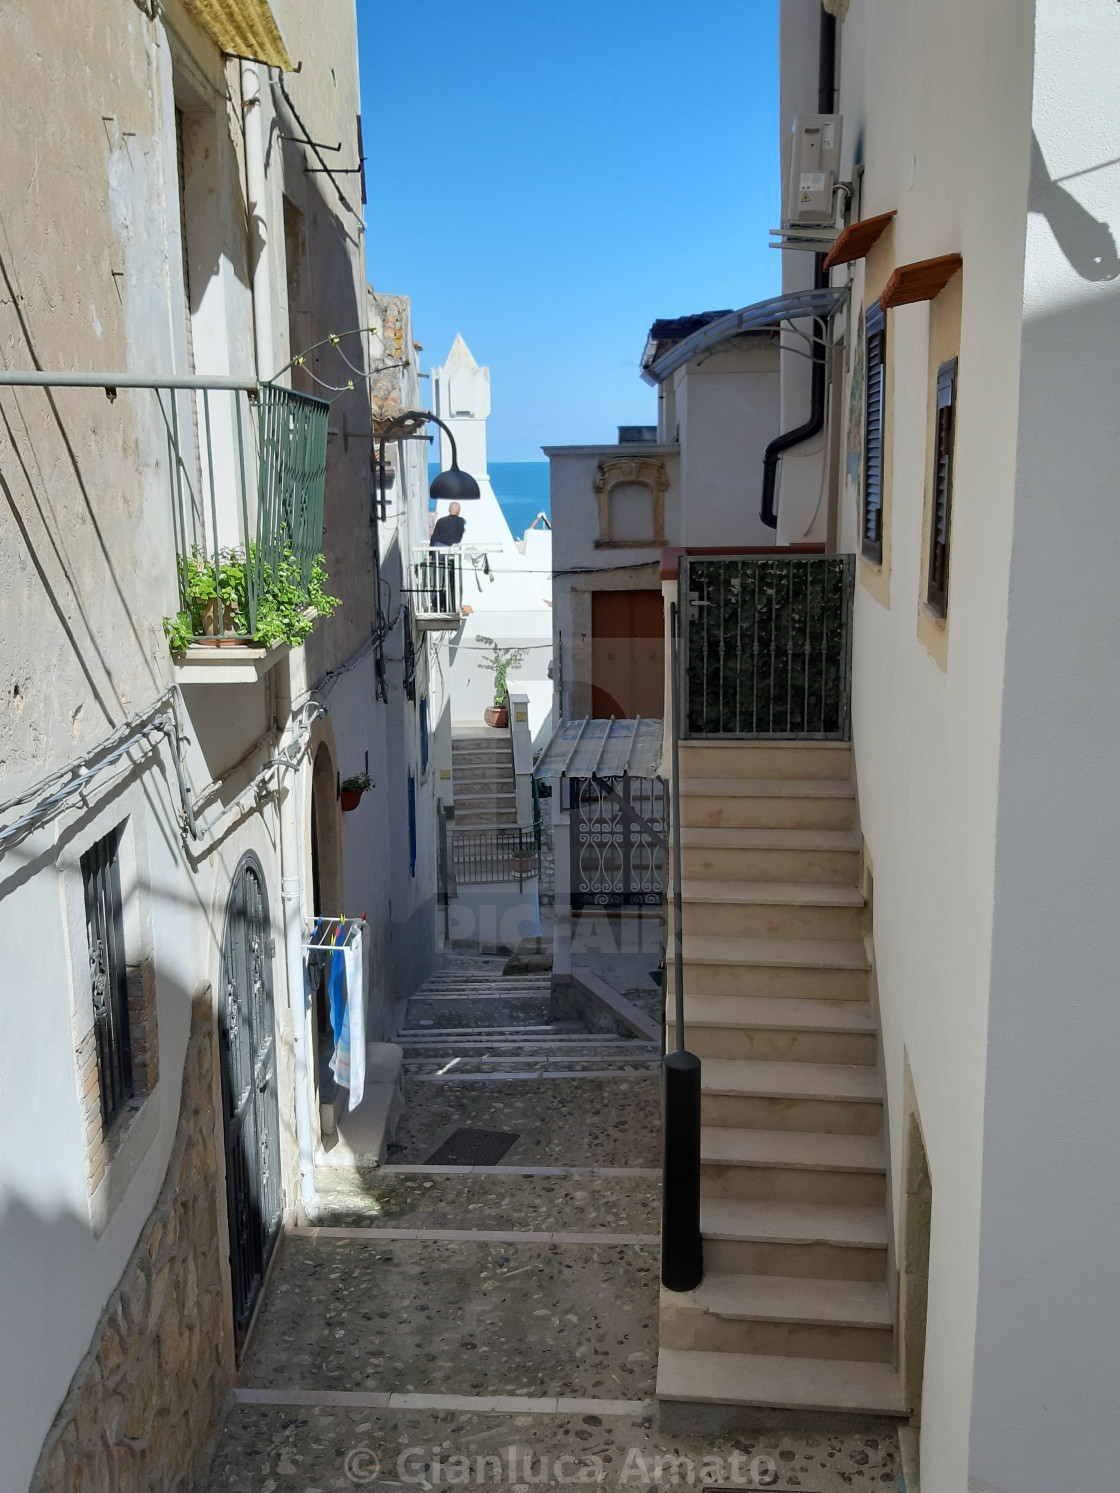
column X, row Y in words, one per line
column 501, row 852
column 766, row 640
column 682, row 1257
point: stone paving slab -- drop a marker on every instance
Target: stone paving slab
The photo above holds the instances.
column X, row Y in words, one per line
column 577, row 1122
column 459, row 1318
column 455, row 1012
column 480, row 1200
column 282, row 1449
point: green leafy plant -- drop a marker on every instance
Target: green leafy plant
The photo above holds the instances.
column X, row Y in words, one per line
column 361, row 782
column 500, row 661
column 282, row 605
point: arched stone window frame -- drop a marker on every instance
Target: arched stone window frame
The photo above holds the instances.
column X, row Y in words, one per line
column 643, row 471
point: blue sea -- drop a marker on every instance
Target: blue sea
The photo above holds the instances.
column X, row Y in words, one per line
column 521, row 488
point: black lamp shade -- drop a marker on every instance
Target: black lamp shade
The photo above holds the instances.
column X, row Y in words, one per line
column 454, row 486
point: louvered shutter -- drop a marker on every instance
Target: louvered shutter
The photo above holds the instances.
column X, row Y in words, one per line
column 937, row 589
column 873, row 420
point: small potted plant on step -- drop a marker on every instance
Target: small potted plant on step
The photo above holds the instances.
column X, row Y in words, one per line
column 351, row 790
column 499, row 661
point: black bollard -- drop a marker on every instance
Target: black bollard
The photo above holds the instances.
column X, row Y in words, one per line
column 682, row 1258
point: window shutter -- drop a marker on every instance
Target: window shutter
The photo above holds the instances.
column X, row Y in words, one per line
column 873, row 423
column 937, row 588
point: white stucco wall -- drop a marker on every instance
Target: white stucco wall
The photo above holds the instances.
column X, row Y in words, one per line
column 727, row 411
column 953, row 162
column 1048, row 1327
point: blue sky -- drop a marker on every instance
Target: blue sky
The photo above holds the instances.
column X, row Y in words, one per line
column 548, row 178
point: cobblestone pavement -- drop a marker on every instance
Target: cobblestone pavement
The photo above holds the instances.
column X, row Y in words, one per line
column 500, row 1361
column 489, row 1200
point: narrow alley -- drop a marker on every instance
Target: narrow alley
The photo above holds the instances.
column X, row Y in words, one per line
column 494, row 1322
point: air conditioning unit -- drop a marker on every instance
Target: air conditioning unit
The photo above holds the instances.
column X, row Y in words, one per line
column 814, row 167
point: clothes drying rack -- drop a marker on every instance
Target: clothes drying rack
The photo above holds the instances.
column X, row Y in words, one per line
column 326, row 944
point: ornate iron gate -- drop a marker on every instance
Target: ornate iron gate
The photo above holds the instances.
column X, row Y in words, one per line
column 614, row 862
column 252, row 1121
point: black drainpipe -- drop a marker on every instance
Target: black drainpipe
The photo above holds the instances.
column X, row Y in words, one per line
column 826, row 102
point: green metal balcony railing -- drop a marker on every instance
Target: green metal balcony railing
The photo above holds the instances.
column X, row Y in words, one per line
column 249, row 467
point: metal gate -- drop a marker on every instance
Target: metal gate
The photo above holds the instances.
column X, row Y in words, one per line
column 252, row 1121
column 614, row 862
column 767, row 647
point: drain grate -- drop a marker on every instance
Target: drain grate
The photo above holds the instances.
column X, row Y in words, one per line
column 473, row 1148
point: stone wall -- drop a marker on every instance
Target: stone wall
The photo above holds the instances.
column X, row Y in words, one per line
column 145, row 1403
column 546, row 888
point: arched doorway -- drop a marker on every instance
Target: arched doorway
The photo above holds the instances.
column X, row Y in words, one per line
column 250, row 1110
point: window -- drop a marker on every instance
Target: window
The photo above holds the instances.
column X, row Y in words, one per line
column 411, row 825
column 873, row 424
column 423, row 735
column 937, row 584
column 101, row 880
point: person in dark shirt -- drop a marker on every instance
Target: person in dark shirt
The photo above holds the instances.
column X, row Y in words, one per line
column 449, row 529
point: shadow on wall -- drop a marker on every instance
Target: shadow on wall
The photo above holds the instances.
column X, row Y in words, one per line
column 1085, row 241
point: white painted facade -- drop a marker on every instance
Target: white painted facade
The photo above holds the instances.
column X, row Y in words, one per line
column 508, row 584
column 984, row 741
column 86, row 546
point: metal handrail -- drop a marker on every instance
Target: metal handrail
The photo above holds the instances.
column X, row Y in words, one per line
column 682, row 1250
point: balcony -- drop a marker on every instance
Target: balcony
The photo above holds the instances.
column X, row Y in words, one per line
column 247, row 475
column 437, row 588
column 765, row 646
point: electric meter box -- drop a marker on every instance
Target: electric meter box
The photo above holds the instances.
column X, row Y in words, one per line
column 813, row 170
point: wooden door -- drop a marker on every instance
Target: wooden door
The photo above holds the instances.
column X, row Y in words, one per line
column 627, row 655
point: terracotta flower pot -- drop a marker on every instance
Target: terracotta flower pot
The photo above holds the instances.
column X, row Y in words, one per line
column 350, row 798
column 496, row 715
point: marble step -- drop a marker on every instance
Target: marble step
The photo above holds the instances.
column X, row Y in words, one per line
column 814, row 1241
column 781, row 1383
column 782, row 1315
column 793, row 1166
column 830, row 1097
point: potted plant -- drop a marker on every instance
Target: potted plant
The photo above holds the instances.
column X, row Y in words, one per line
column 499, row 661
column 351, row 790
column 286, row 608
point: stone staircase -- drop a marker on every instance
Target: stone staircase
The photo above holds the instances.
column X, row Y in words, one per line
column 482, row 777
column 472, row 1024
column 794, row 1313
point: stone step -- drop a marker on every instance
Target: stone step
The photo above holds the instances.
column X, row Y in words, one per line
column 781, row 1315
column 464, row 1013
column 832, row 1098
column 770, row 759
column 819, row 1241
column 810, row 855
column 771, row 909
column 777, row 1029
column 791, row 1166
column 770, row 1381
column 828, row 969
column 820, row 803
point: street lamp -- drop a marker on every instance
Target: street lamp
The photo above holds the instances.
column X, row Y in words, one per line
column 452, row 486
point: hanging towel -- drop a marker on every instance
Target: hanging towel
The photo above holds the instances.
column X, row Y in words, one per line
column 349, row 1061
column 336, row 986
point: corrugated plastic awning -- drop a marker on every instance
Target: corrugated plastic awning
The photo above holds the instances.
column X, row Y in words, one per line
column 606, row 749
column 762, row 316
column 242, row 28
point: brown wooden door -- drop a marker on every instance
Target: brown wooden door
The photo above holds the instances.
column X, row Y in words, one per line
column 627, row 654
